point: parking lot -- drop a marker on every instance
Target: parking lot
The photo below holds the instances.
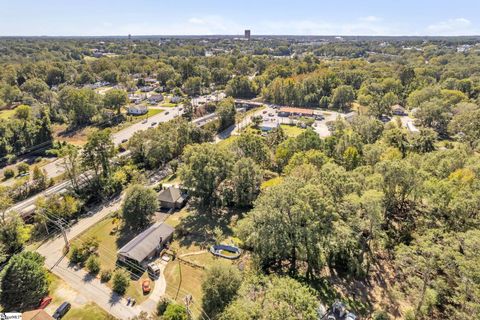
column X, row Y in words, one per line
column 271, row 114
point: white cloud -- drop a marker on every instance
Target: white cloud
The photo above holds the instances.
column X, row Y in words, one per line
column 456, row 26
column 370, row 19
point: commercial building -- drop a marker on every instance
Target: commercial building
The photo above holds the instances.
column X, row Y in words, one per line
column 247, row 34
column 290, row 111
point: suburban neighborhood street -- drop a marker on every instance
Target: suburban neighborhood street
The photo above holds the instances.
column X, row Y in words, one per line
column 90, row 287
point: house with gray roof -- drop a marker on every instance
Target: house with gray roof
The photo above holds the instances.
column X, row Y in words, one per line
column 171, row 198
column 147, row 244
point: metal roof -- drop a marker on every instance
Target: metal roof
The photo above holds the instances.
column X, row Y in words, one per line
column 146, row 242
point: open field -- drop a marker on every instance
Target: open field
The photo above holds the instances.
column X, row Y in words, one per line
column 291, row 131
column 185, row 274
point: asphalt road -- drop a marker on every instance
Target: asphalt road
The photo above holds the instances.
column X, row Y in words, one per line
column 56, row 168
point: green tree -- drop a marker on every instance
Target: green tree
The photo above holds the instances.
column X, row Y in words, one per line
column 120, row 281
column 97, row 153
column 343, row 97
column 219, row 288
column 115, row 99
column 226, row 113
column 246, row 179
column 139, row 206
column 274, row 298
column 193, row 86
column 14, row 234
column 93, row 264
column 241, row 87
column 252, row 146
column 23, row 112
column 24, row 281
column 204, row 168
column 175, row 311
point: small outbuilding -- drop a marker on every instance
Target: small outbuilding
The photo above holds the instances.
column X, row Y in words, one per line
column 147, row 244
column 171, row 198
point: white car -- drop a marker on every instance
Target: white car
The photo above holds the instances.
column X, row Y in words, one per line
column 153, row 270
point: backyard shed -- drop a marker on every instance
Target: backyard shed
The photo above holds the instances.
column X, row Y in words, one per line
column 147, row 244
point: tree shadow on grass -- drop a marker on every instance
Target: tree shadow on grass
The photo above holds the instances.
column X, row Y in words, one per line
column 197, row 227
column 115, row 298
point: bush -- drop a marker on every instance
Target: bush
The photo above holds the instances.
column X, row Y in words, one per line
column 162, row 306
column 105, row 275
column 121, row 280
column 23, row 167
column 93, row 265
column 381, row 315
column 76, row 255
column 8, row 173
column 175, row 311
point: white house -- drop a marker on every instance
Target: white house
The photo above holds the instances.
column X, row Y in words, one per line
column 137, row 110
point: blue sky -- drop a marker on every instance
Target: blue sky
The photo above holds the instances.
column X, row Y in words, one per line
column 205, row 17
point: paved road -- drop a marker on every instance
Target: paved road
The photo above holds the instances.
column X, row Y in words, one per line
column 56, row 168
column 78, row 279
column 29, row 204
column 91, row 288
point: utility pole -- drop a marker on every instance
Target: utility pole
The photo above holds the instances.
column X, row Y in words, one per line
column 62, row 229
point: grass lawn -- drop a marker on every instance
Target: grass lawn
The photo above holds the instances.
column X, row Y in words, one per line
column 182, row 278
column 5, row 114
column 88, row 312
column 227, row 143
column 168, row 105
column 172, row 179
column 291, row 131
column 77, row 137
column 110, row 240
column 272, row 182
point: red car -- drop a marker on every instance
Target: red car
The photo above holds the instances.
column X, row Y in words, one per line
column 146, row 286
column 44, row 302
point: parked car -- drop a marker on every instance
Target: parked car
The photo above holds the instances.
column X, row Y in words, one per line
column 124, row 140
column 44, row 302
column 62, row 310
column 153, row 124
column 167, row 112
column 153, row 270
column 146, row 286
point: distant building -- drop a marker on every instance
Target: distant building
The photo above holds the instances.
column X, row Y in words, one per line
column 156, row 98
column 269, row 125
column 147, row 244
column 175, row 99
column 137, row 110
column 247, row 34
column 289, row 111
